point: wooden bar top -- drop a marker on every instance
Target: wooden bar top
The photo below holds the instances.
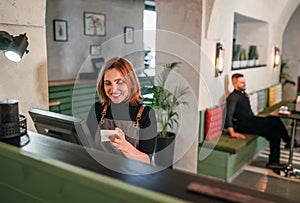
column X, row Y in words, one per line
column 173, row 183
column 55, row 83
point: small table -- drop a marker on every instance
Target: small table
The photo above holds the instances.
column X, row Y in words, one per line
column 290, row 170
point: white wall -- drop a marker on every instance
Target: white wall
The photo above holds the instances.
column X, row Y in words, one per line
column 178, row 40
column 275, row 13
column 26, row 81
column 291, row 54
column 68, row 58
column 190, row 33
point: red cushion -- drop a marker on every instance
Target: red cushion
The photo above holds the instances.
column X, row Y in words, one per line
column 213, row 123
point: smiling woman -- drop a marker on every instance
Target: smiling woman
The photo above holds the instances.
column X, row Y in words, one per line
column 120, row 110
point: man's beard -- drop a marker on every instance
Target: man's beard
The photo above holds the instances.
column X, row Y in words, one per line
column 242, row 88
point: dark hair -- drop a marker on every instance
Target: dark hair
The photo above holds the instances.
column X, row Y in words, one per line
column 236, row 76
column 126, row 69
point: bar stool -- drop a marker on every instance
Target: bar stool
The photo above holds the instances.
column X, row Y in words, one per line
column 53, row 103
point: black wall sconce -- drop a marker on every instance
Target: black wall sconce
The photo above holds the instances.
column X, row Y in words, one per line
column 276, row 57
column 14, row 47
column 219, row 63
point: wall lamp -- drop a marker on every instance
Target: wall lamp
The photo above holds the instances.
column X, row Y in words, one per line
column 219, row 63
column 276, row 57
column 14, row 47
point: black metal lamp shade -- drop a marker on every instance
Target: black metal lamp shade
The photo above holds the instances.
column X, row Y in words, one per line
column 5, row 40
column 17, row 48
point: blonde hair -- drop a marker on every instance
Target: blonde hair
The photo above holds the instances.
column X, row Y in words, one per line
column 126, row 69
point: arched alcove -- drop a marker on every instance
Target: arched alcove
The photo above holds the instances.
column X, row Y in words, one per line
column 291, row 54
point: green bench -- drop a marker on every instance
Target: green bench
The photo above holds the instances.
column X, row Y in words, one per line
column 225, row 157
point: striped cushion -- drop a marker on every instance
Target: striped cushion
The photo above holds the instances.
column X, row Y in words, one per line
column 272, row 95
column 213, row 123
column 253, row 102
column 278, row 93
column 261, row 98
column 275, row 94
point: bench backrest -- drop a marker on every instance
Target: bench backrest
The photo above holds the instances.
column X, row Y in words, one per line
column 213, row 123
column 259, row 100
column 254, row 102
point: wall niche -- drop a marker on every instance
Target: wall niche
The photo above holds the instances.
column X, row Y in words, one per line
column 250, row 37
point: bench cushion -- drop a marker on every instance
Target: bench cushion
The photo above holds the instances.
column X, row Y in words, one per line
column 253, row 103
column 228, row 144
column 261, row 100
column 275, row 94
column 213, row 124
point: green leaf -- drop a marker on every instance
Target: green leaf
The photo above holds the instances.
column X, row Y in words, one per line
column 167, row 101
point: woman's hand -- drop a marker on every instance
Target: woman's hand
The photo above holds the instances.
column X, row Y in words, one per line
column 119, row 142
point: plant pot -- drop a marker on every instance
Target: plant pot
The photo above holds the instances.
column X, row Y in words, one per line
column 236, row 64
column 251, row 62
column 164, row 150
column 244, row 63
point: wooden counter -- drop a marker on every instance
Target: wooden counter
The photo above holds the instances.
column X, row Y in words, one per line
column 51, row 170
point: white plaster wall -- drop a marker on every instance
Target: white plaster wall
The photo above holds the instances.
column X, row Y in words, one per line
column 217, row 26
column 275, row 13
column 67, row 58
column 26, row 81
column 291, row 54
column 178, row 39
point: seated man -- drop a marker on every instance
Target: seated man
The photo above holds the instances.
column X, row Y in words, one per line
column 240, row 119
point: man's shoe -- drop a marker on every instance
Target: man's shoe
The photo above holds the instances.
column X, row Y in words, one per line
column 288, row 145
column 276, row 166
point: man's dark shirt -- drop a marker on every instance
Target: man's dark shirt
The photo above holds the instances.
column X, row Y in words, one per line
column 238, row 112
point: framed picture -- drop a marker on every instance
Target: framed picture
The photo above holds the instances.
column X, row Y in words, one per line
column 95, row 50
column 97, row 63
column 60, row 28
column 94, row 24
column 128, row 35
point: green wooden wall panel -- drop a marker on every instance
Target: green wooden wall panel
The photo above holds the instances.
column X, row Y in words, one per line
column 75, row 100
column 201, row 125
column 90, row 90
column 60, row 94
column 60, row 88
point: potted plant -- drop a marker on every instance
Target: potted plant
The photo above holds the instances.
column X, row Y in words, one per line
column 243, row 58
column 256, row 58
column 236, row 52
column 251, row 55
column 165, row 103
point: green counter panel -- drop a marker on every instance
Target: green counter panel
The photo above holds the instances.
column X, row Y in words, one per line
column 30, row 178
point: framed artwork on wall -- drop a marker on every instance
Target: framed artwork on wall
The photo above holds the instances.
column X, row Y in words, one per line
column 94, row 24
column 128, row 35
column 95, row 50
column 60, row 28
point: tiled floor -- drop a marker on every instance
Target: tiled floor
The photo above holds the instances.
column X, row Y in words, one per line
column 265, row 183
column 257, row 177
